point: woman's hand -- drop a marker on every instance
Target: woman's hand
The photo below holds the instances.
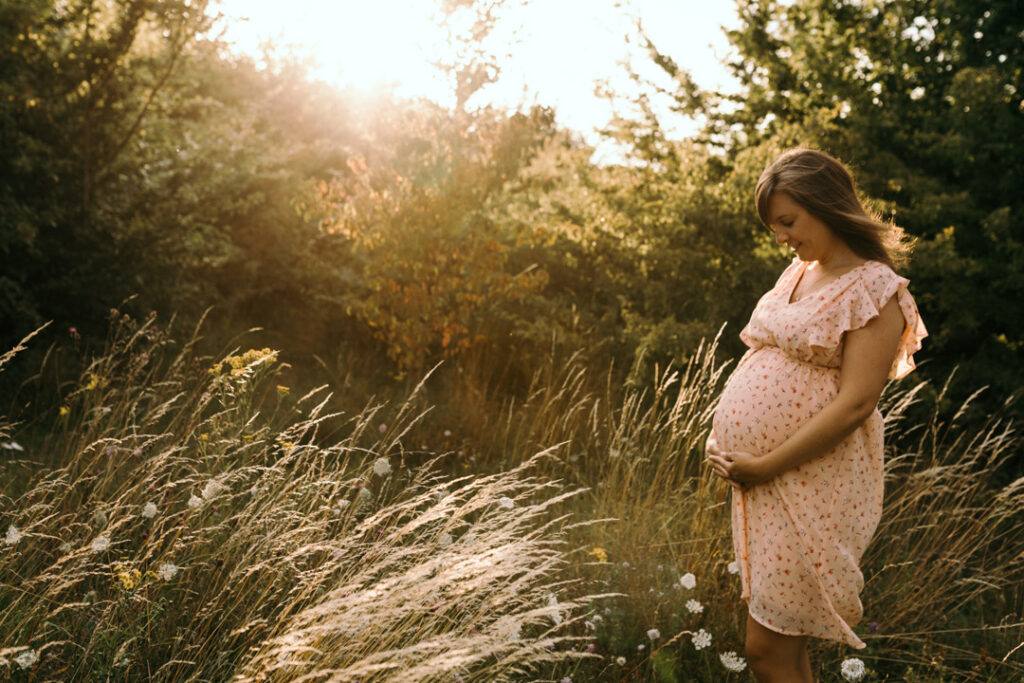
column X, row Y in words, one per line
column 739, row 468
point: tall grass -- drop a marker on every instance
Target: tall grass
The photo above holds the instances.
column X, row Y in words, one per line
column 549, row 539
column 264, row 552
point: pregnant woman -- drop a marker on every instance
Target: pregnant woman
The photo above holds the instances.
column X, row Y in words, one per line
column 797, row 432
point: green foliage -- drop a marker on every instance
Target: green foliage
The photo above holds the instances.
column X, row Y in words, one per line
column 78, row 81
column 923, row 99
column 428, row 265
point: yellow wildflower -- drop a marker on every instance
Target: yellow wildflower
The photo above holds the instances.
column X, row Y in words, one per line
column 283, row 390
column 95, row 381
column 204, row 437
column 216, row 368
column 599, row 554
column 64, row 410
column 128, row 578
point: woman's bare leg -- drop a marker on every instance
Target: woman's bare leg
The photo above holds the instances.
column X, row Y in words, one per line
column 775, row 657
column 805, row 664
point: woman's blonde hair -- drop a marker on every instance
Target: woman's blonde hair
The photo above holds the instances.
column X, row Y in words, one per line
column 823, row 186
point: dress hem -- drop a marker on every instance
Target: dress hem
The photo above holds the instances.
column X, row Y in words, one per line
column 761, row 620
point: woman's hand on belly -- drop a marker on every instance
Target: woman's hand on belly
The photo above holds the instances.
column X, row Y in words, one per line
column 739, row 468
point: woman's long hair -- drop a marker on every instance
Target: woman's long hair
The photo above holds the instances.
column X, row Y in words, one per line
column 823, row 186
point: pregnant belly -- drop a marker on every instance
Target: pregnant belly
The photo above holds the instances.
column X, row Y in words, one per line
column 768, row 397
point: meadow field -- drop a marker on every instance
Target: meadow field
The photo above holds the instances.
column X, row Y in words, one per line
column 175, row 517
column 323, row 380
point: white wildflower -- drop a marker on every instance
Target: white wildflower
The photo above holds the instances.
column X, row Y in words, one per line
column 26, row 658
column 556, row 616
column 732, row 661
column 653, row 634
column 598, row 618
column 99, row 544
column 212, row 490
column 641, row 646
column 445, row 540
column 447, row 432
column 621, row 661
column 12, row 446
column 852, row 669
column 167, row 571
column 701, row 639
column 365, row 494
column 513, row 632
column 194, row 501
column 694, row 607
column 688, row 581
column 65, row 547
column 149, row 510
column 590, row 625
column 506, row 502
column 341, row 504
column 13, row 535
column 734, row 567
column 566, row 679
column 381, row 466
column 613, row 452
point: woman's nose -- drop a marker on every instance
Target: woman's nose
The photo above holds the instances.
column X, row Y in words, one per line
column 781, row 238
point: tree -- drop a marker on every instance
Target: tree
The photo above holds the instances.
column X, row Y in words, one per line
column 923, row 99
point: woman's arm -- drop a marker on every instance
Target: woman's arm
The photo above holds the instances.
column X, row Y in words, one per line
column 868, row 354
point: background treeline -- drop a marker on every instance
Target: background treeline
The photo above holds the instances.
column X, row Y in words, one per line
column 142, row 160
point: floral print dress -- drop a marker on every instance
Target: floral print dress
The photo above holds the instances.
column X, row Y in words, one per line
column 799, row 537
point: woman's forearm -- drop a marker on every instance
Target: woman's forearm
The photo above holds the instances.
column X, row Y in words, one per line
column 815, row 437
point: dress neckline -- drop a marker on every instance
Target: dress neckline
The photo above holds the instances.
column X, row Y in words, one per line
column 808, row 295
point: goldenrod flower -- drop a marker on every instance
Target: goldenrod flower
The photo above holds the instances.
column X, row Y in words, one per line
column 95, row 381
column 599, row 554
column 129, row 578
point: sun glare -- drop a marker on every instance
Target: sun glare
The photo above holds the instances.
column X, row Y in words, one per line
column 383, row 44
column 549, row 52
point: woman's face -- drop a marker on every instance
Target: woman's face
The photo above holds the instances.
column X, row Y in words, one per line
column 793, row 226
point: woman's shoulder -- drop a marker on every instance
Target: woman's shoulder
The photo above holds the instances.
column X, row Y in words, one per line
column 879, row 280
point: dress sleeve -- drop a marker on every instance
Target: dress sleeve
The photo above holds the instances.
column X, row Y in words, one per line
column 862, row 302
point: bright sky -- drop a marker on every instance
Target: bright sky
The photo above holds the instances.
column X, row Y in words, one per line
column 563, row 47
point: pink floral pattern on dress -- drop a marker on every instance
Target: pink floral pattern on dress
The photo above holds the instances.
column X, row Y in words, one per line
column 799, row 537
